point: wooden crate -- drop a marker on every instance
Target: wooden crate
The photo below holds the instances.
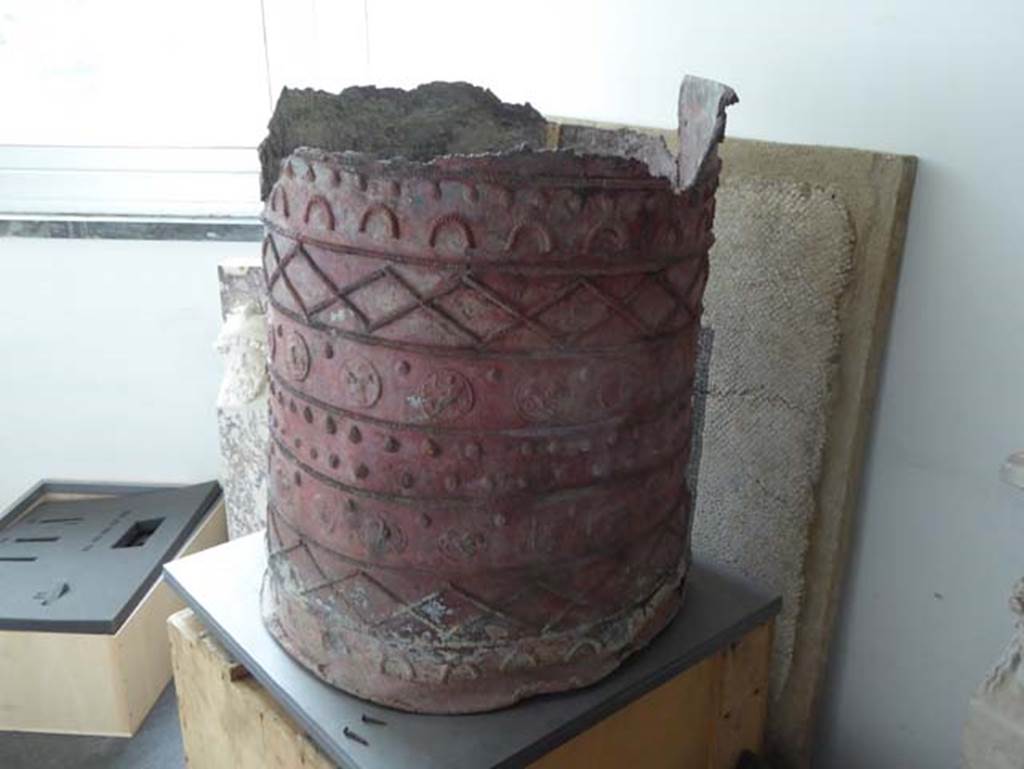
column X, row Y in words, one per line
column 84, row 683
column 703, row 718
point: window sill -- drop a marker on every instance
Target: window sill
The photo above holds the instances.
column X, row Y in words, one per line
column 78, row 226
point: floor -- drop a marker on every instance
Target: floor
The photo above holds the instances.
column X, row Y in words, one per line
column 157, row 745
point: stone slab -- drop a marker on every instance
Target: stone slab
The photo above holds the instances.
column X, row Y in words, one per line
column 222, row 586
column 242, row 407
column 994, row 733
column 874, row 192
column 993, row 736
column 781, row 265
column 242, row 283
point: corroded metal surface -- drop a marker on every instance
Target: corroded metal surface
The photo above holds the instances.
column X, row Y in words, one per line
column 480, row 376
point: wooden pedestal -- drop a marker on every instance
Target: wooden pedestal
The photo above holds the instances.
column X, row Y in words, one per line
column 704, row 718
column 93, row 683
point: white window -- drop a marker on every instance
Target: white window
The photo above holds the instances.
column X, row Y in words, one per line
column 156, row 108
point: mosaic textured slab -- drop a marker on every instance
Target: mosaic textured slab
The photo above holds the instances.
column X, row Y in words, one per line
column 807, row 262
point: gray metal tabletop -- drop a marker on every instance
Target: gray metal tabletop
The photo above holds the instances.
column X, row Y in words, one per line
column 222, row 586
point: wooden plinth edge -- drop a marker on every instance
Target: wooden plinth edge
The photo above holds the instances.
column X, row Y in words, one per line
column 227, row 718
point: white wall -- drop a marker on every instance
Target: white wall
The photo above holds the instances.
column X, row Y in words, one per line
column 106, row 366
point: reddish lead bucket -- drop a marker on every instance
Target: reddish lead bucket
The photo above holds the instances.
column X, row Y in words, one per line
column 481, row 371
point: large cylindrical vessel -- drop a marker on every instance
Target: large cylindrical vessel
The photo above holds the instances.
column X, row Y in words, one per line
column 481, row 370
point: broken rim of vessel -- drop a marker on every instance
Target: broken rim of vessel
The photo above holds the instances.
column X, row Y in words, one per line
column 589, row 153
